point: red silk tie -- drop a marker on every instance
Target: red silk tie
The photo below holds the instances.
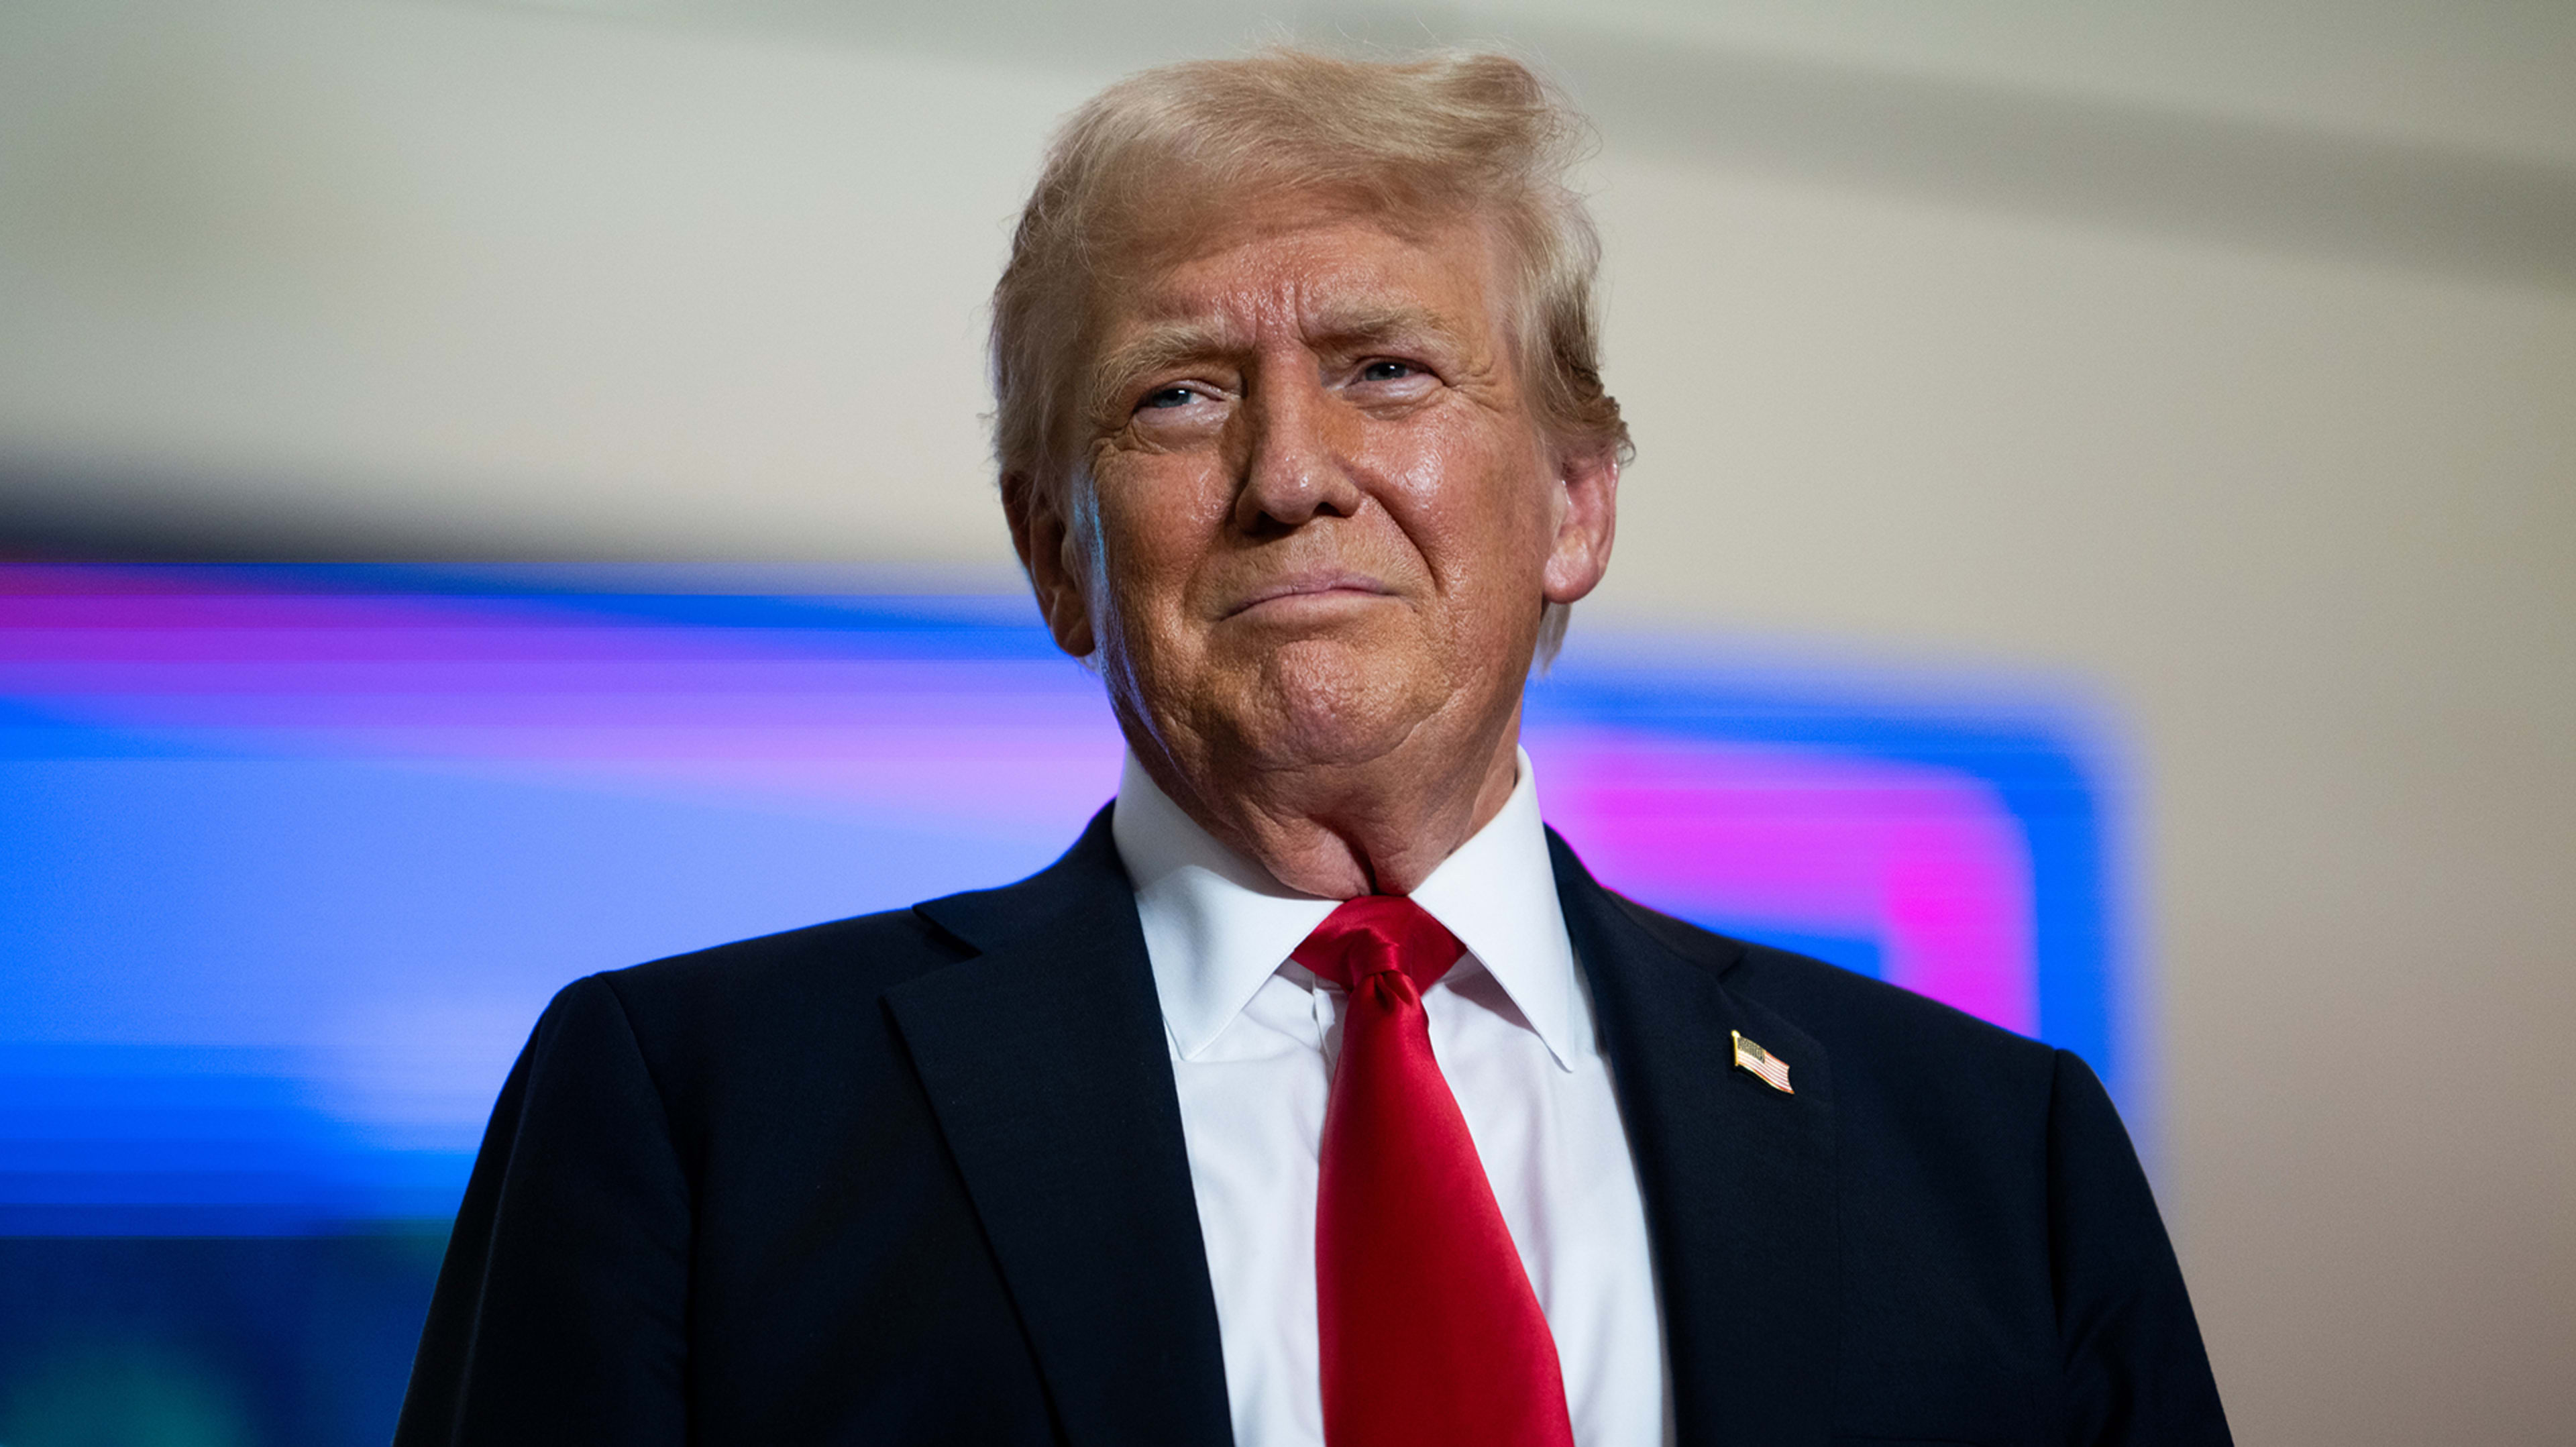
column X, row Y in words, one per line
column 1431, row 1334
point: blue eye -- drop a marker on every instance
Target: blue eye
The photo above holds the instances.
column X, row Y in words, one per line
column 1169, row 397
column 1384, row 371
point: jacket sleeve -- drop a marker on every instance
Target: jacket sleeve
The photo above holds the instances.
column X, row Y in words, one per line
column 560, row 1311
column 2135, row 1372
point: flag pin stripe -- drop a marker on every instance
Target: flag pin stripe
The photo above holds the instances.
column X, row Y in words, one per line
column 1770, row 1069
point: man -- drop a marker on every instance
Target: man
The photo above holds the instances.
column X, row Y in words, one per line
column 1318, row 1094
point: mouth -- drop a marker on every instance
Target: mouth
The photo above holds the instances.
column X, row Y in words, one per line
column 1304, row 591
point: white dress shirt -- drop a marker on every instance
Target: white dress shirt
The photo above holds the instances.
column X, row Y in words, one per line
column 1254, row 1036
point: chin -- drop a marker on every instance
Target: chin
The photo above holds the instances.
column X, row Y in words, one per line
column 1333, row 701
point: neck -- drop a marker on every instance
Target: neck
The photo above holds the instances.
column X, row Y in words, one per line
column 1340, row 830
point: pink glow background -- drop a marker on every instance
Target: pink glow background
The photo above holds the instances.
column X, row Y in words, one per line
column 1927, row 862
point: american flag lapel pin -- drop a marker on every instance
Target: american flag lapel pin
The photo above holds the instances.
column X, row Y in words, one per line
column 1769, row 1068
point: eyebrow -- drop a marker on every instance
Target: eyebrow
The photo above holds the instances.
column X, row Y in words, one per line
column 1158, row 346
column 1161, row 345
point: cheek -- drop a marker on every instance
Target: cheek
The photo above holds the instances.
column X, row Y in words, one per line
column 1478, row 505
column 1157, row 514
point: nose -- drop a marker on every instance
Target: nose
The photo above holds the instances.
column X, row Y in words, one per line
column 1297, row 462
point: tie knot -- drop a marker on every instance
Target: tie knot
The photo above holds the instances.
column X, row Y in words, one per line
column 1376, row 933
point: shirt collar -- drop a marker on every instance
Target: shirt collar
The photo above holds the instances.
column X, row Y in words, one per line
column 1217, row 925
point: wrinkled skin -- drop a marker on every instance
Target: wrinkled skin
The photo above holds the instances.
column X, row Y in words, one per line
column 1322, row 521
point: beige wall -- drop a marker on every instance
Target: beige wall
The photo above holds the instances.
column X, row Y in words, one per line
column 2315, row 527
column 2291, row 476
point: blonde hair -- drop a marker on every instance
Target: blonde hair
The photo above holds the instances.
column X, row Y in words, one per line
column 1440, row 136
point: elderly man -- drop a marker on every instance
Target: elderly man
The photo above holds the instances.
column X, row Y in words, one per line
column 1318, row 1094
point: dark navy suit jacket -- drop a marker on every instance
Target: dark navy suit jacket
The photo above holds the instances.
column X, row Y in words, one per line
column 919, row 1177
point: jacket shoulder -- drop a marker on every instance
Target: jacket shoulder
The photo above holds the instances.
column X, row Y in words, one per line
column 1870, row 1027
column 885, row 948
column 774, row 989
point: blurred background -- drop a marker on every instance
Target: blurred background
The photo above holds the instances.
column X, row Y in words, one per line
column 494, row 491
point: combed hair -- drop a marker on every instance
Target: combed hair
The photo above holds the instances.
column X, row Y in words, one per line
column 1429, row 139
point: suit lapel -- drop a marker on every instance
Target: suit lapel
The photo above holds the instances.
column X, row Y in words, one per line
column 1738, row 1178
column 1045, row 1063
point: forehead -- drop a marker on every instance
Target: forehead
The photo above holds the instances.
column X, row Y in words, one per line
column 1308, row 266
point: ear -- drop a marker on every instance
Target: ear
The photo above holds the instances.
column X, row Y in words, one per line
column 1587, row 515
column 1043, row 536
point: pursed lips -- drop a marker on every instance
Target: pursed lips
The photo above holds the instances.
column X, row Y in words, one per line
column 1318, row 586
